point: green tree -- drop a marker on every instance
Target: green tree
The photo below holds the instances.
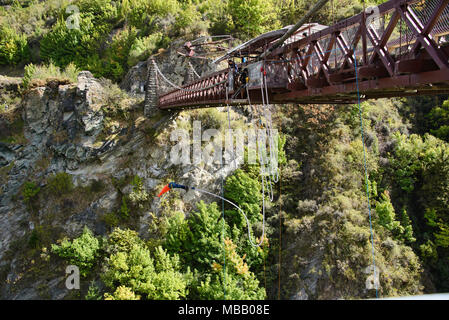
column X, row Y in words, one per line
column 82, row 251
column 250, row 18
column 130, row 264
column 439, row 118
column 197, row 239
column 236, row 282
column 420, row 166
column 244, row 191
column 407, row 225
column 387, row 216
column 13, row 47
column 30, row 192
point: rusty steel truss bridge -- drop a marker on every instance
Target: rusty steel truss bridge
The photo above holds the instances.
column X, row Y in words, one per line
column 400, row 48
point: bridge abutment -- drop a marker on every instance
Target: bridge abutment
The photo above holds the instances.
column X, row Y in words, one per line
column 151, row 93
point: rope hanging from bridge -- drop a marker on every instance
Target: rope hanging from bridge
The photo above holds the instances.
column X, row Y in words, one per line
column 366, row 180
column 262, row 175
column 274, row 177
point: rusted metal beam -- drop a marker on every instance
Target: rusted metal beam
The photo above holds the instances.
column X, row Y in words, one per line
column 387, row 34
column 349, row 50
column 431, row 23
column 413, row 22
column 415, row 66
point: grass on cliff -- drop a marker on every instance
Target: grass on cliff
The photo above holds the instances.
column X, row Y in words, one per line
column 39, row 75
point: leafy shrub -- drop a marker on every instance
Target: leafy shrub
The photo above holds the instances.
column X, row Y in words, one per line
column 250, row 18
column 189, row 21
column 60, row 183
column 82, row 251
column 114, row 62
column 138, row 195
column 13, row 47
column 240, row 284
column 93, row 293
column 124, row 208
column 63, row 45
column 111, row 219
column 117, row 102
column 401, row 229
column 407, row 225
column 216, row 12
column 429, row 251
column 387, row 216
column 143, row 47
column 30, row 191
column 143, row 13
column 122, row 293
column 130, row 264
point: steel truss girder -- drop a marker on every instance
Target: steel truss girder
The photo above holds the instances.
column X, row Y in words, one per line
column 380, row 71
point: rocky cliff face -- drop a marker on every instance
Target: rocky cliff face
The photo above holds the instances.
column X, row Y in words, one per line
column 70, row 128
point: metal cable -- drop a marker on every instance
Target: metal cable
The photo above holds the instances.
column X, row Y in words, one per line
column 243, row 213
column 193, row 69
column 180, row 88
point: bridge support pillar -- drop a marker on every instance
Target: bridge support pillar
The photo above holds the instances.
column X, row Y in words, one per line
column 151, row 93
column 190, row 77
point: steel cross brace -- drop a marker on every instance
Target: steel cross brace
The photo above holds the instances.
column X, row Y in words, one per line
column 423, row 37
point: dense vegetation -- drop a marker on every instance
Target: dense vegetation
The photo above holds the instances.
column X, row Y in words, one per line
column 107, row 37
column 184, row 258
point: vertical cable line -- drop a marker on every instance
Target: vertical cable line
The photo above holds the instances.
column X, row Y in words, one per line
column 280, row 237
column 222, row 209
column 223, row 234
column 366, row 173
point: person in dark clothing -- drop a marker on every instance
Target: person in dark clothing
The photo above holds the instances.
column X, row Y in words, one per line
column 243, row 78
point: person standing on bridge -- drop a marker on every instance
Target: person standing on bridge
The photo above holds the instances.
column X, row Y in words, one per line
column 243, row 78
column 233, row 69
column 233, row 66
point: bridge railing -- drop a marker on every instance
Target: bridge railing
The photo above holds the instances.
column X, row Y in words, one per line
column 393, row 30
column 206, row 89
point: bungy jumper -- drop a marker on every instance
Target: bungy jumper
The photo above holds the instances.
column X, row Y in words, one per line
column 174, row 185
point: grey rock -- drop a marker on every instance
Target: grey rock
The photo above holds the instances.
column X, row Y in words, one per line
column 301, row 295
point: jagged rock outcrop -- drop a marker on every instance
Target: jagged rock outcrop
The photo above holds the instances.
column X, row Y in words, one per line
column 63, row 126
